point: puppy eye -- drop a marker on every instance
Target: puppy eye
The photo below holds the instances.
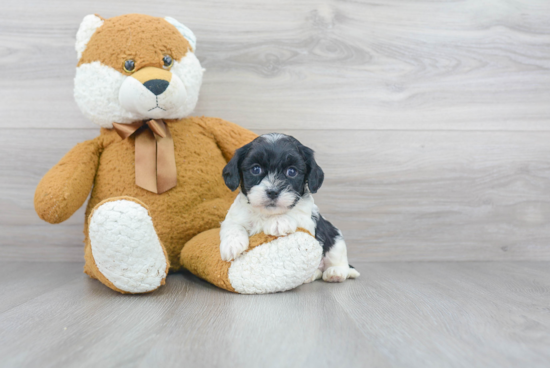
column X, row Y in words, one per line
column 129, row 66
column 256, row 170
column 168, row 61
column 291, row 172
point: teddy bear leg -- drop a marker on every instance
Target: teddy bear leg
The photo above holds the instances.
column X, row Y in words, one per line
column 271, row 264
column 123, row 250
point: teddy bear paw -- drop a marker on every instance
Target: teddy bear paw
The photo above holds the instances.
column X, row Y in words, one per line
column 278, row 265
column 126, row 248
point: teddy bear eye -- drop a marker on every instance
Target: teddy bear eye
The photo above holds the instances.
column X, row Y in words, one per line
column 129, row 66
column 168, row 61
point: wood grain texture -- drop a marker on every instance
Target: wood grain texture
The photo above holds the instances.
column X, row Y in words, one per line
column 431, row 121
column 452, row 314
column 430, row 118
column 28, row 155
column 310, row 64
column 395, row 195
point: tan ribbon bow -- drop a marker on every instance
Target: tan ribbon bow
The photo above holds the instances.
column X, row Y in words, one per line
column 155, row 161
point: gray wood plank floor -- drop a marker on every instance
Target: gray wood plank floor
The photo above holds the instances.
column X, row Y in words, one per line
column 406, row 314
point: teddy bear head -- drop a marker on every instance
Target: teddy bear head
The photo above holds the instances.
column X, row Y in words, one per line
column 135, row 67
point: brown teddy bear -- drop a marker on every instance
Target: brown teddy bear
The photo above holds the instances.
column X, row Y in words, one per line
column 157, row 193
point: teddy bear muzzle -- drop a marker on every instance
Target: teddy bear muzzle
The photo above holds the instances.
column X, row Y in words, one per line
column 153, row 93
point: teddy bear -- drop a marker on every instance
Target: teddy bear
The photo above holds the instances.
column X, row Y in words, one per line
column 154, row 172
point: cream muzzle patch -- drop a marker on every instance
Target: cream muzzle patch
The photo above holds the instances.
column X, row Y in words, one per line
column 152, row 92
column 105, row 95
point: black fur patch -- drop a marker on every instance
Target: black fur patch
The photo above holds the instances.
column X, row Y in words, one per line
column 325, row 232
column 274, row 157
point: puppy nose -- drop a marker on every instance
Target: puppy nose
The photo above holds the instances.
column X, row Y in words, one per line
column 272, row 194
column 157, row 86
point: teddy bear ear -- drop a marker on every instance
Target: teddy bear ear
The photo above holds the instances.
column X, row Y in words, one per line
column 186, row 32
column 87, row 28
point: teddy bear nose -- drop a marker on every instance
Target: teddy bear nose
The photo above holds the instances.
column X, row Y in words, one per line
column 157, row 86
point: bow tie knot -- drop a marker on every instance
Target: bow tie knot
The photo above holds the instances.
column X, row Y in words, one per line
column 155, row 162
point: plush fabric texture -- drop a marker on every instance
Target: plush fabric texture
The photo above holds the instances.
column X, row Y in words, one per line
column 271, row 264
column 279, row 265
column 186, row 32
column 199, row 201
column 90, row 266
column 66, row 186
column 142, row 38
column 106, row 93
column 201, row 256
column 86, row 30
column 125, row 246
column 98, row 91
column 133, row 237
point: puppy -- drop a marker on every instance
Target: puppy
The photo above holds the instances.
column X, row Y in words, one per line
column 277, row 175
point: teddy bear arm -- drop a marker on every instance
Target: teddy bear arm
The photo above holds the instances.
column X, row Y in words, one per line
column 271, row 264
column 66, row 186
column 229, row 137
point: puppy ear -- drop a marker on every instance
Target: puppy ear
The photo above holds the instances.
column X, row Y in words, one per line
column 85, row 32
column 232, row 171
column 315, row 175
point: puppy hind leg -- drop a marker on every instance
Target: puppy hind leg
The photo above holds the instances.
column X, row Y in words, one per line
column 353, row 273
column 336, row 266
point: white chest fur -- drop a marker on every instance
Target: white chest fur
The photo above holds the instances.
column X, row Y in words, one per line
column 244, row 220
column 255, row 221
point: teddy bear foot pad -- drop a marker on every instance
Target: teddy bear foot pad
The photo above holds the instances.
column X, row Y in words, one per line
column 270, row 265
column 126, row 248
column 280, row 265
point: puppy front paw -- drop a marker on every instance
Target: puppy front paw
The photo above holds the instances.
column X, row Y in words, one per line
column 280, row 226
column 340, row 274
column 232, row 245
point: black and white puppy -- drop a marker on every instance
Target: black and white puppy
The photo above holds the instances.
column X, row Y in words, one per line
column 277, row 175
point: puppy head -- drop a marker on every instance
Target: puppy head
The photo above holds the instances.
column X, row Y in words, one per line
column 135, row 67
column 274, row 171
